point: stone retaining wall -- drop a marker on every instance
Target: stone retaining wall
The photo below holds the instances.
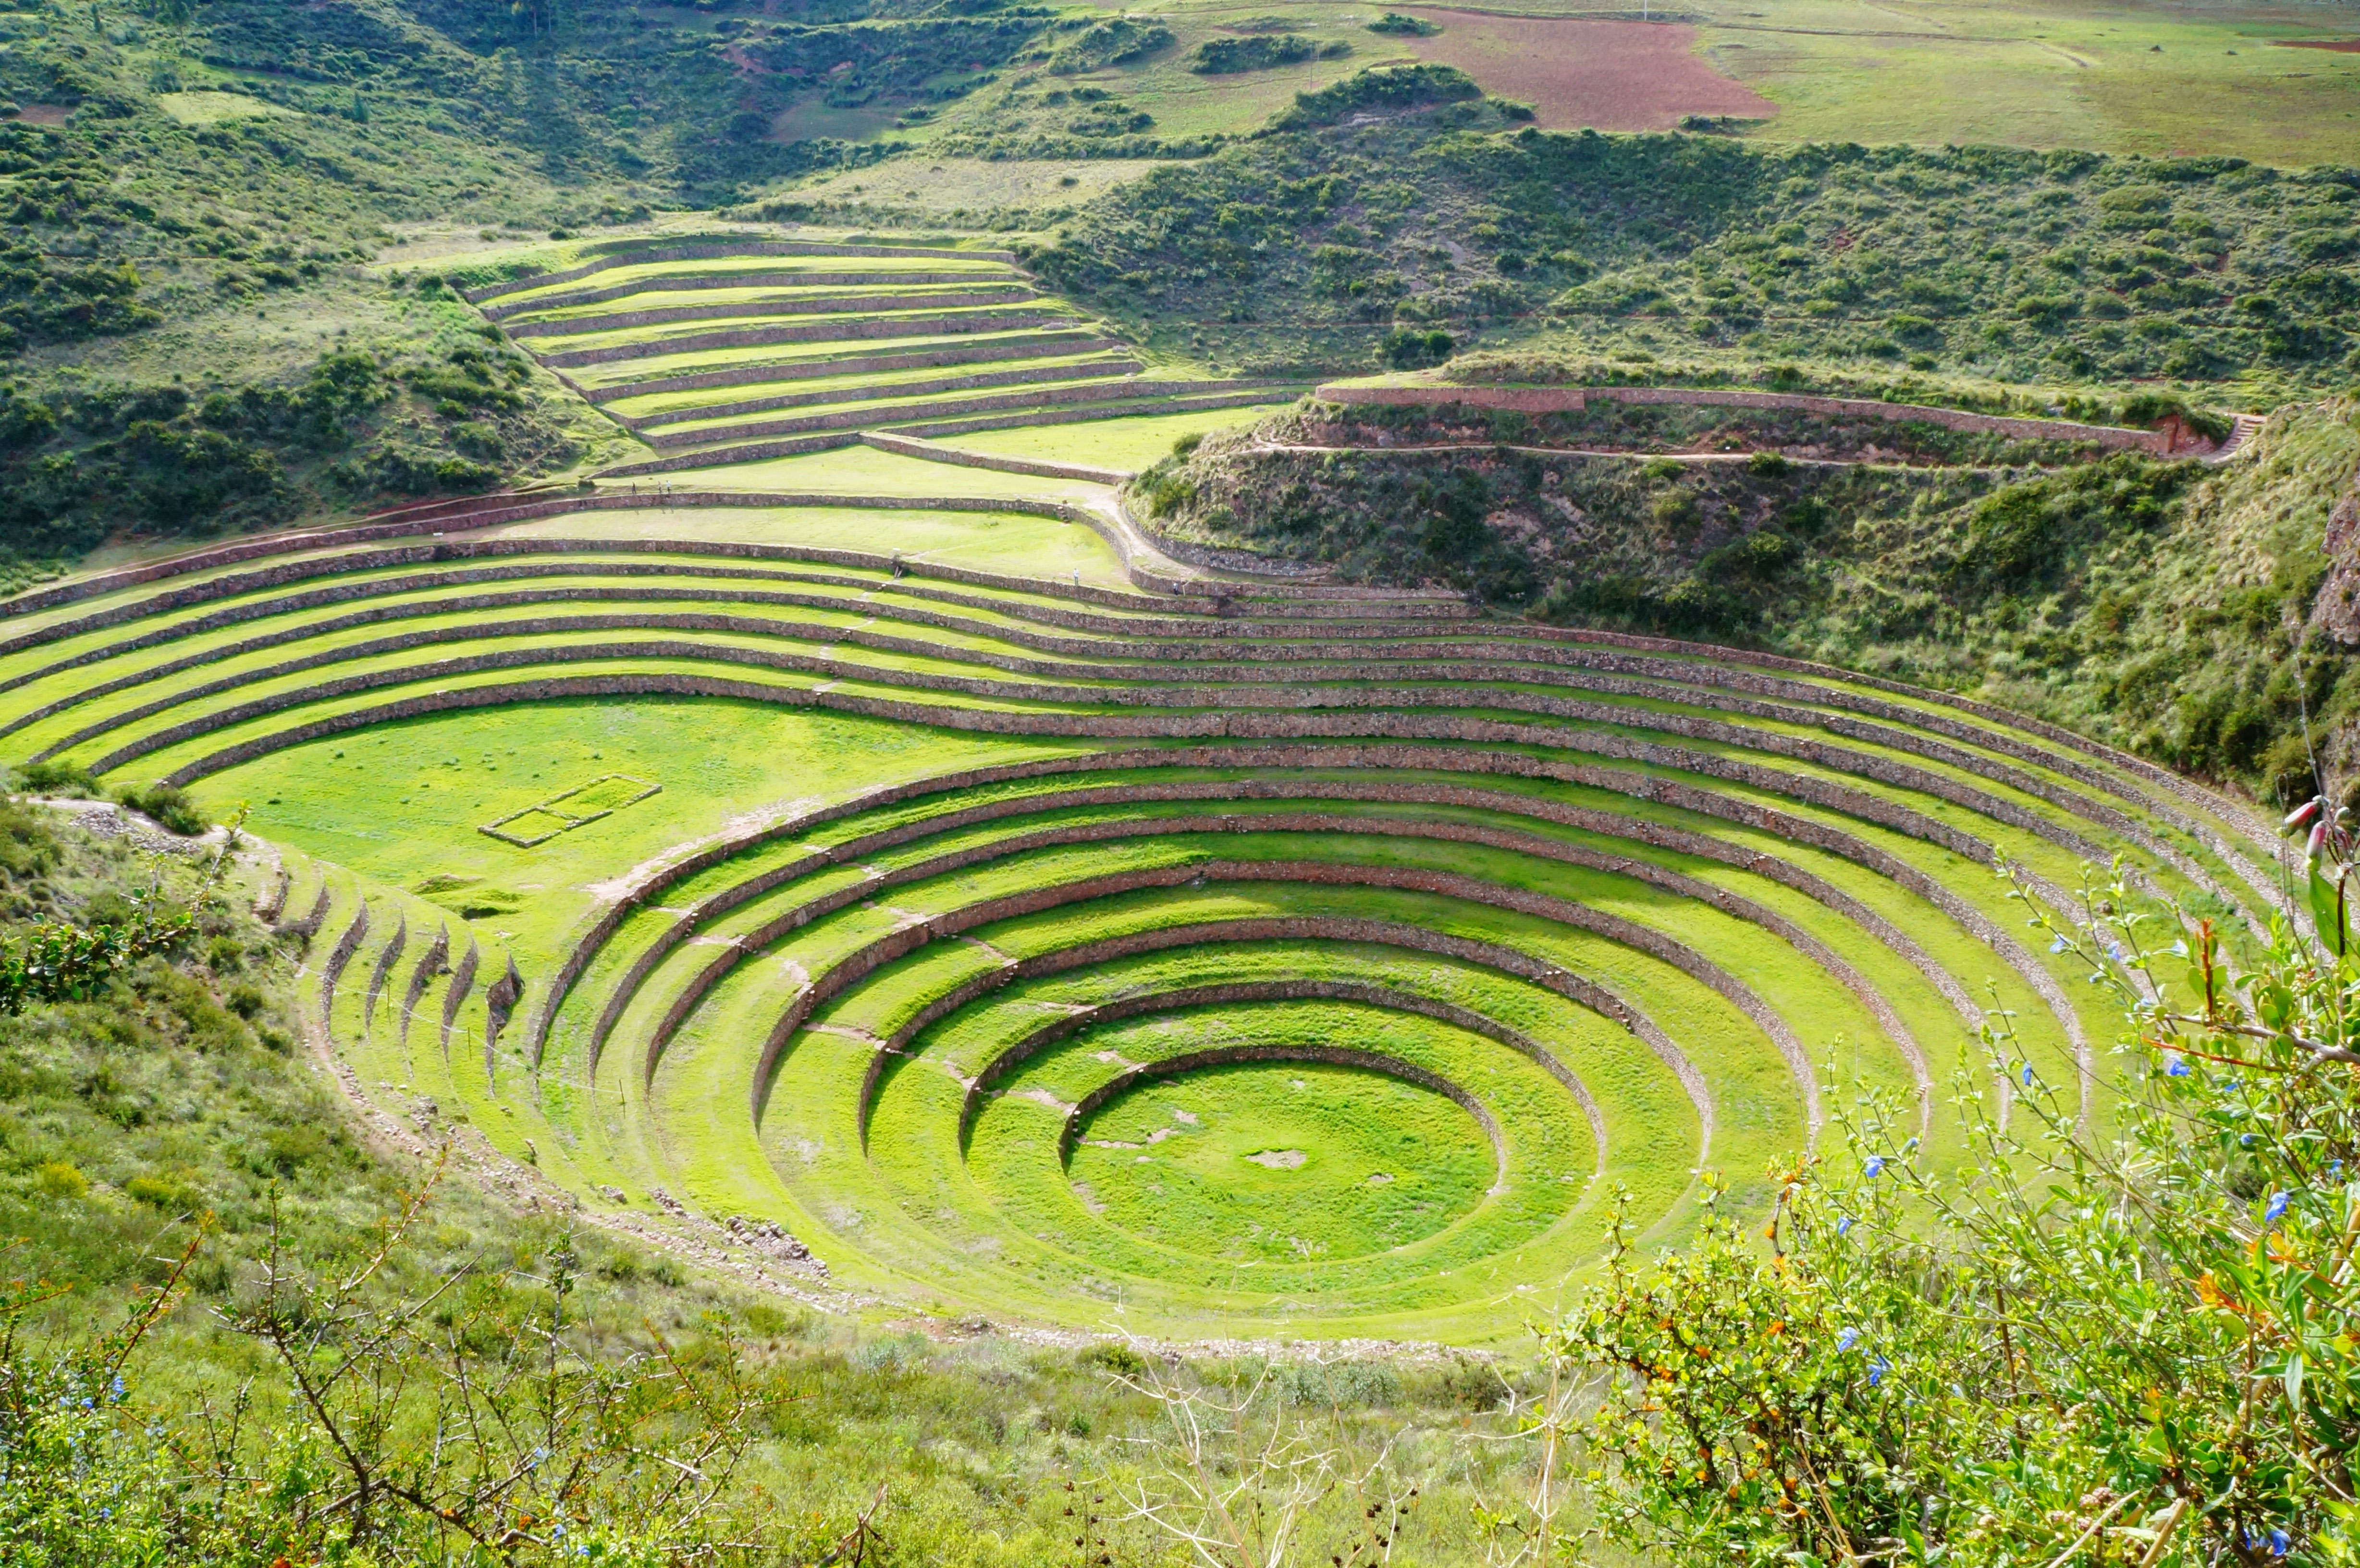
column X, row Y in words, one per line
column 928, row 451
column 913, row 325
column 1028, row 374
column 1571, row 399
column 463, row 980
column 659, row 315
column 430, row 966
column 1177, row 404
column 1290, row 697
column 1511, row 841
column 601, row 928
column 338, row 957
column 1287, row 712
column 868, row 959
column 386, row 960
column 1121, row 636
column 693, row 283
column 1328, row 1055
column 887, row 411
column 608, row 500
column 1048, row 345
column 1405, row 793
column 758, row 452
column 1902, row 741
column 1481, row 954
column 2258, row 827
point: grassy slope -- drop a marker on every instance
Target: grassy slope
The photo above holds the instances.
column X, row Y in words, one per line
column 183, row 1090
column 184, row 207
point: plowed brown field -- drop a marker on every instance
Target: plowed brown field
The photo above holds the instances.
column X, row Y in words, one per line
column 1615, row 76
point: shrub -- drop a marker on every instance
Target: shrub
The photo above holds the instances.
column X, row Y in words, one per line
column 2146, row 410
column 1379, row 87
column 1404, row 348
column 1228, row 57
column 1114, row 1356
column 1117, row 41
column 2130, row 1339
column 55, row 775
column 169, row 806
column 1395, row 23
column 59, row 1179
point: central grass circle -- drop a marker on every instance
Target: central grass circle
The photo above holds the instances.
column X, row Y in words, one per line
column 1281, row 1161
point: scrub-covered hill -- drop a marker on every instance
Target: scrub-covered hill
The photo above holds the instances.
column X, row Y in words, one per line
column 2155, row 602
column 1401, row 204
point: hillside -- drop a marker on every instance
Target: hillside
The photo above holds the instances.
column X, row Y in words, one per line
column 1394, row 205
column 2152, row 602
column 891, row 782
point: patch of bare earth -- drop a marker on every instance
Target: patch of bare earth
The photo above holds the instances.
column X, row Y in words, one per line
column 1612, row 76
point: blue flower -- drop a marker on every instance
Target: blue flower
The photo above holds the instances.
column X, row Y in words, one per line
column 2176, row 1065
column 2277, row 1209
column 2059, row 945
column 1844, row 1225
column 2179, row 949
column 2245, row 1140
column 2335, row 1168
column 114, row 1389
column 2027, row 1075
column 1847, row 1339
column 2278, row 1543
column 557, row 1532
column 1875, row 1166
column 109, row 1513
column 2113, row 950
column 1877, row 1369
column 87, row 1401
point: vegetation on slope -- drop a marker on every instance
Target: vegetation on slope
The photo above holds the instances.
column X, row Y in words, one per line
column 1397, row 197
column 2154, row 604
column 191, row 341
column 175, row 1111
column 2132, row 1338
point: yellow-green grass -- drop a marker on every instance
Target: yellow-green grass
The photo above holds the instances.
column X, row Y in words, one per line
column 722, row 268
column 1048, row 368
column 947, row 184
column 1131, row 442
column 2146, row 76
column 867, row 471
column 1263, row 1161
column 611, row 650
column 1019, row 312
column 212, row 108
column 886, row 405
column 651, row 367
column 1789, row 839
column 799, row 297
